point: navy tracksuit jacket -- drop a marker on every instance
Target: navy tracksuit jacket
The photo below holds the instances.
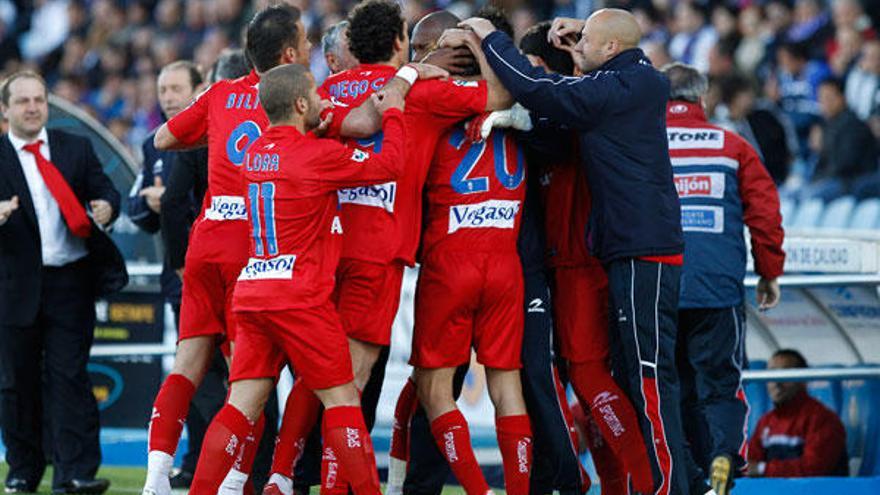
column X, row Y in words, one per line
column 619, row 111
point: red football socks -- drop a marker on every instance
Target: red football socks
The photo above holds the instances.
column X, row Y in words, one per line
column 572, row 431
column 169, row 413
column 348, row 445
column 616, row 419
column 223, row 445
column 454, row 440
column 407, row 403
column 515, row 441
column 300, row 414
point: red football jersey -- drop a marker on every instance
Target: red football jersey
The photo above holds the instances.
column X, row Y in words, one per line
column 230, row 115
column 566, row 212
column 383, row 221
column 296, row 240
column 475, row 194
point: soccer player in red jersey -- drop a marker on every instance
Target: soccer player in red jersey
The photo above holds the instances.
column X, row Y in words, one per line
column 382, row 220
column 470, row 294
column 228, row 118
column 282, row 298
column 580, row 302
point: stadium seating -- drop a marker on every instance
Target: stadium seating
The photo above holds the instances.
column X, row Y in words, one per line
column 845, row 212
column 808, row 214
column 866, row 215
column 837, row 213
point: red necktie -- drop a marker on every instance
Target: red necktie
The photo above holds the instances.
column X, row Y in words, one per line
column 71, row 209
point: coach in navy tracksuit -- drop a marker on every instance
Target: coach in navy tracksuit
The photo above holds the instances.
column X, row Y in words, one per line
column 723, row 186
column 619, row 108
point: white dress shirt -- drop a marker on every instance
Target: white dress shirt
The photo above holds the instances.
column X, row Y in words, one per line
column 59, row 245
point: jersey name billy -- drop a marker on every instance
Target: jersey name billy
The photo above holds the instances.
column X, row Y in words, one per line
column 279, row 267
column 495, row 213
column 226, row 208
column 378, row 196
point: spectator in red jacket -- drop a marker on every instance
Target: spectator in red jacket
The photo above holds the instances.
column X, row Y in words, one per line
column 800, row 436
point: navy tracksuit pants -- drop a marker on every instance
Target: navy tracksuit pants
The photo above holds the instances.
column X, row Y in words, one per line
column 711, row 355
column 644, row 313
column 556, row 464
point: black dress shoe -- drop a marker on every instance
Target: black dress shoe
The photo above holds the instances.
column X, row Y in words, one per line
column 19, row 485
column 96, row 486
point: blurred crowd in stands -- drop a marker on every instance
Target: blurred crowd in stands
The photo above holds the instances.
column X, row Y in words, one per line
column 800, row 79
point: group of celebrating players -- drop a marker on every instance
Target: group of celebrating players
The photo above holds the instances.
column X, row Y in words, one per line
column 318, row 199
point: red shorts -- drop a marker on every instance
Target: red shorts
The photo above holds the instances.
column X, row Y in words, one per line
column 464, row 300
column 367, row 296
column 311, row 339
column 580, row 308
column 206, row 303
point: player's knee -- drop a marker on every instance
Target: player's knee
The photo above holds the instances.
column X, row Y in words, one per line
column 193, row 357
column 341, row 395
column 505, row 391
column 434, row 389
column 250, row 396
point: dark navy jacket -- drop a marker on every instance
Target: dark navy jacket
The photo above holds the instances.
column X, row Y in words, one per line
column 156, row 163
column 620, row 111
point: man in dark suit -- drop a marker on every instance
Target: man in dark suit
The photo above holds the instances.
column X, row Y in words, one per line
column 54, row 259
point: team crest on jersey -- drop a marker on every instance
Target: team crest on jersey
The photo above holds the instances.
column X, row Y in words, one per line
column 359, row 156
column 495, row 213
column 465, row 84
column 277, row 268
column 226, row 208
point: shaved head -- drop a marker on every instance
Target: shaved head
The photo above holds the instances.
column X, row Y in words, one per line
column 615, row 24
column 428, row 30
column 606, row 33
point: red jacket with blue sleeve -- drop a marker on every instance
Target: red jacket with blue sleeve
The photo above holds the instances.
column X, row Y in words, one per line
column 723, row 187
column 799, row 438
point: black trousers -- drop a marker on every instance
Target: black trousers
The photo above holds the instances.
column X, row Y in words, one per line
column 56, row 346
column 710, row 357
column 643, row 313
column 556, row 465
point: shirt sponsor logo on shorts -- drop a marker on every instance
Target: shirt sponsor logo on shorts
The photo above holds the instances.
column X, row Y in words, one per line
column 707, row 185
column 226, row 208
column 465, row 84
column 378, row 196
column 495, row 213
column 709, row 219
column 689, row 138
column 277, row 268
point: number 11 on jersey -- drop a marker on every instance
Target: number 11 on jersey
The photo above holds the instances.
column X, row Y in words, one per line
column 263, row 219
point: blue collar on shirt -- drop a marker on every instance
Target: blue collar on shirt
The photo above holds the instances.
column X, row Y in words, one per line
column 625, row 59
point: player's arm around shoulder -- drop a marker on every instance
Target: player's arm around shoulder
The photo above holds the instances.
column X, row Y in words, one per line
column 351, row 167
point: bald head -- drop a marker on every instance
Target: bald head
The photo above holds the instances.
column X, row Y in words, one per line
column 428, row 30
column 606, row 33
column 615, row 25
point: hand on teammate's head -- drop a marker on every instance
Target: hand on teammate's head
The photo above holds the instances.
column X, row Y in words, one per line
column 457, row 61
column 479, row 26
column 429, row 71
